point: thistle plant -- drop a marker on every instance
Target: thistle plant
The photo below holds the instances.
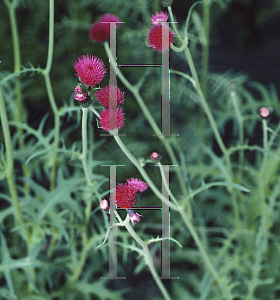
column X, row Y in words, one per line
column 127, row 182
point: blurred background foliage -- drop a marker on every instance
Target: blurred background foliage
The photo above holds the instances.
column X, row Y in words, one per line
column 244, row 45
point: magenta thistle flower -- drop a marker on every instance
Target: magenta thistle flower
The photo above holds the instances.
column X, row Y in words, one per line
column 159, row 17
column 90, row 70
column 99, row 31
column 125, row 196
column 111, row 119
column 127, row 193
column 156, row 37
column 103, row 95
column 134, row 216
column 139, row 185
column 110, row 18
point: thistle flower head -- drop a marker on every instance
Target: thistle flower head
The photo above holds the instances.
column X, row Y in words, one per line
column 159, row 17
column 103, row 95
column 138, row 184
column 128, row 192
column 157, row 37
column 110, row 18
column 90, row 70
column 111, row 119
column 100, row 31
column 125, row 196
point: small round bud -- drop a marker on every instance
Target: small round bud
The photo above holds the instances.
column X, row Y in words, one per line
column 154, row 156
column 104, row 204
column 166, row 3
column 265, row 112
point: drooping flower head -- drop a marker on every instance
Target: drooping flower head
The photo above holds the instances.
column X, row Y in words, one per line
column 100, row 31
column 90, row 70
column 134, row 216
column 111, row 119
column 157, row 37
column 126, row 193
column 159, row 17
column 138, row 184
column 126, row 196
column 103, row 95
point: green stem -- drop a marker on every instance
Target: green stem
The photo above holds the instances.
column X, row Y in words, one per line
column 51, row 38
column 203, row 253
column 20, row 111
column 205, row 46
column 204, row 103
column 147, row 255
column 56, row 128
column 136, row 163
column 174, row 25
column 262, row 182
column 143, row 172
column 79, row 268
column 10, row 168
column 215, row 129
column 135, row 92
column 46, row 74
column 241, row 132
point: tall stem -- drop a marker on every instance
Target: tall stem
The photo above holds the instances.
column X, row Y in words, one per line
column 142, row 171
column 10, row 169
column 203, row 253
column 135, row 92
column 20, row 111
column 215, row 129
column 205, row 45
column 148, row 258
column 262, row 182
column 46, row 74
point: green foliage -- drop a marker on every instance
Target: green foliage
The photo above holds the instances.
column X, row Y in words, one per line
column 224, row 192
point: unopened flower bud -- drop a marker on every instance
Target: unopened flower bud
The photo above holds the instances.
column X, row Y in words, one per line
column 104, row 204
column 265, row 112
column 166, row 3
column 154, row 155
